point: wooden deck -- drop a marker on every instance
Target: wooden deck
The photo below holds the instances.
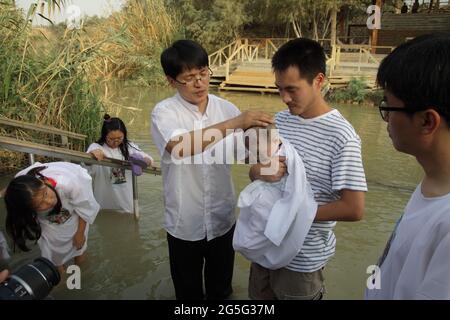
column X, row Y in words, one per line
column 246, row 70
column 255, row 77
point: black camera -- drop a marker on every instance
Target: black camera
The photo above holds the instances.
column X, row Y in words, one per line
column 33, row 281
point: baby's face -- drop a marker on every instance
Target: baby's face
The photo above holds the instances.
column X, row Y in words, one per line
column 262, row 145
column 267, row 149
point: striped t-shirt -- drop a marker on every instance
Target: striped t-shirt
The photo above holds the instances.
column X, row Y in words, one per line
column 331, row 152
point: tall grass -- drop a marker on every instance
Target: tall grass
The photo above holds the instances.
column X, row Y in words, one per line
column 53, row 78
column 48, row 86
column 136, row 37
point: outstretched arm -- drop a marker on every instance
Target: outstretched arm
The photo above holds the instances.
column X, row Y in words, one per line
column 186, row 145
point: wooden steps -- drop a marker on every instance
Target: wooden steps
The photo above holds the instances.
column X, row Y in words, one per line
column 252, row 76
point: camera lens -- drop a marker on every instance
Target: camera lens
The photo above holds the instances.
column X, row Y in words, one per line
column 31, row 281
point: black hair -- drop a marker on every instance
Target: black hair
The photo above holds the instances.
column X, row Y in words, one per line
column 418, row 73
column 21, row 218
column 112, row 124
column 305, row 54
column 183, row 55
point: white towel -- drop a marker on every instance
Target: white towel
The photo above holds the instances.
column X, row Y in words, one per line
column 276, row 217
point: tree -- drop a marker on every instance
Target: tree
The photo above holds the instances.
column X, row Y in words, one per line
column 212, row 23
column 306, row 18
column 215, row 23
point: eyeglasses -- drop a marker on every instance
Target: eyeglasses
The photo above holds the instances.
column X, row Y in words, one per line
column 385, row 109
column 203, row 75
column 114, row 140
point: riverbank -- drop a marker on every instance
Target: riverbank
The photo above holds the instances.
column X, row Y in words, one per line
column 356, row 92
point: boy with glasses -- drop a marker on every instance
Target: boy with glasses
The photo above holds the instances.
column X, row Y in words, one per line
column 416, row 82
column 385, row 109
column 199, row 197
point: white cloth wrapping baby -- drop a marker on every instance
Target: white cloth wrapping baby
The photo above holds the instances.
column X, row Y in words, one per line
column 275, row 218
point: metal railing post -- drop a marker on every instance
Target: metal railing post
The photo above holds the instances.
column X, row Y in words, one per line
column 359, row 59
column 31, row 158
column 135, row 197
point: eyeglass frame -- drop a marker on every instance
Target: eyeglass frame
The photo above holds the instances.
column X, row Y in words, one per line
column 196, row 78
column 384, row 107
column 115, row 139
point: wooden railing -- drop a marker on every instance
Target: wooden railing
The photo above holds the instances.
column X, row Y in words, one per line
column 364, row 52
column 243, row 48
column 245, row 52
column 246, row 49
column 219, row 57
column 252, row 49
column 365, row 46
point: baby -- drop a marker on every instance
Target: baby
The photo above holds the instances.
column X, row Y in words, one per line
column 275, row 217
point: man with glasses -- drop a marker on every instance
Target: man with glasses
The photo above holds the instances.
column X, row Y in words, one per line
column 199, row 197
column 416, row 82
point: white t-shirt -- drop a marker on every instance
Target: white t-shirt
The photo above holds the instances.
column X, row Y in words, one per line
column 417, row 265
column 113, row 187
column 199, row 198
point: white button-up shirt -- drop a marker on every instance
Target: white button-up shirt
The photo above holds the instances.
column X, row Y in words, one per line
column 199, row 198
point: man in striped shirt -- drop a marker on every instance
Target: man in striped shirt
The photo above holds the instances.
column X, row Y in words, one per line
column 331, row 152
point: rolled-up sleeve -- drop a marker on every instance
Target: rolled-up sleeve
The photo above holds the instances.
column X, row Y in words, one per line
column 164, row 127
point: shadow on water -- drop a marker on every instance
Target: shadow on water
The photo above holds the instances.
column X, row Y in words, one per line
column 129, row 259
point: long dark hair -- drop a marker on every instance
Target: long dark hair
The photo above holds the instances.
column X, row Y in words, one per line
column 21, row 218
column 113, row 124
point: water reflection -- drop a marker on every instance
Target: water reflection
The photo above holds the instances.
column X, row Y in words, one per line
column 129, row 260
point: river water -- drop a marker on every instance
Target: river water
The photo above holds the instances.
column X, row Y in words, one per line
column 129, row 259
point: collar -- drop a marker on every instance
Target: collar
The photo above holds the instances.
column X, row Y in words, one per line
column 51, row 181
column 193, row 107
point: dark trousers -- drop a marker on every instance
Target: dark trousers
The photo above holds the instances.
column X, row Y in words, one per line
column 187, row 259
